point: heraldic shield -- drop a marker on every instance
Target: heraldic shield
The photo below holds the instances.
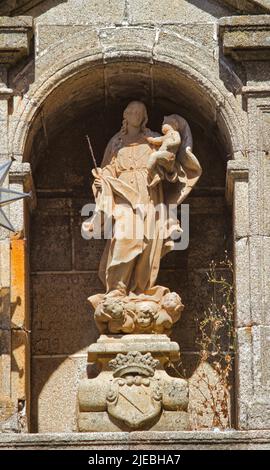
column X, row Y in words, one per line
column 135, row 397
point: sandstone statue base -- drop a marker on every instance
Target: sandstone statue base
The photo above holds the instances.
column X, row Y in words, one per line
column 132, row 390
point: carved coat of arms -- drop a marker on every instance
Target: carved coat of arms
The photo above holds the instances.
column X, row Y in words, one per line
column 134, row 396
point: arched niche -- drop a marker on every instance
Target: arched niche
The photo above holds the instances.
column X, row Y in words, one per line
column 88, row 97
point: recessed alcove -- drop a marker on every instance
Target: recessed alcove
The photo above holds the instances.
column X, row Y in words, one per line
column 63, row 265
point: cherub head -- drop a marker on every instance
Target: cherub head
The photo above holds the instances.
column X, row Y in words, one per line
column 172, row 303
column 145, row 315
column 114, row 308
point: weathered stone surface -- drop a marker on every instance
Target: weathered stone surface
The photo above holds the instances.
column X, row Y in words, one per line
column 242, row 280
column 127, row 38
column 204, row 35
column 48, row 35
column 136, row 391
column 89, row 400
column 51, row 245
column 259, row 279
column 90, row 13
column 7, row 415
column 179, row 11
column 96, row 422
column 259, row 415
column 211, row 230
column 261, row 343
column 87, row 252
column 15, row 37
column 3, row 125
column 60, row 301
column 245, row 374
column 50, row 376
column 66, row 42
column 192, row 440
column 100, row 421
column 245, row 37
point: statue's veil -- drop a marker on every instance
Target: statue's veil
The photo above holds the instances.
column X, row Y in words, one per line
column 187, row 165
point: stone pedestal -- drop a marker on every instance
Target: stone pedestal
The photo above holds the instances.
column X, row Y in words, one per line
column 132, row 390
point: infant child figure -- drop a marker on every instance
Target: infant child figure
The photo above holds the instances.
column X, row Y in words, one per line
column 164, row 158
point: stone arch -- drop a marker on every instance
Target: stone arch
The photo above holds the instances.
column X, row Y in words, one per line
column 195, row 65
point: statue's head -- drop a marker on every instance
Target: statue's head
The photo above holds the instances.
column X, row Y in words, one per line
column 169, row 122
column 136, row 115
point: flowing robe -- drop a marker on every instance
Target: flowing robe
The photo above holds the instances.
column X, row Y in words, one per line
column 133, row 260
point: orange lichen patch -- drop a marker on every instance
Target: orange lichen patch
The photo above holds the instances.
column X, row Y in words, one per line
column 19, row 318
column 17, row 279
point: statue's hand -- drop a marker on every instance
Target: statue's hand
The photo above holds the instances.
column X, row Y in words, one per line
column 97, row 172
column 154, row 140
column 97, row 183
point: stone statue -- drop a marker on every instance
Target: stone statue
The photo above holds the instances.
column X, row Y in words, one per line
column 140, row 172
column 134, row 179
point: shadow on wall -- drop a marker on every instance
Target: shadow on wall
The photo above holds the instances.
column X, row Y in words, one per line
column 214, row 8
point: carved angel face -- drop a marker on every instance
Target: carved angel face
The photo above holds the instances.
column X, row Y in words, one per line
column 171, row 302
column 145, row 315
column 114, row 309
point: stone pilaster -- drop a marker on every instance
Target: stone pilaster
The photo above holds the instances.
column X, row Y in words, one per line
column 245, row 40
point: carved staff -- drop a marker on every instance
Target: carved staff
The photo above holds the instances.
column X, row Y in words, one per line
column 92, row 153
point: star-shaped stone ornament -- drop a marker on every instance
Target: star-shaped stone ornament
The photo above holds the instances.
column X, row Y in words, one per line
column 7, row 196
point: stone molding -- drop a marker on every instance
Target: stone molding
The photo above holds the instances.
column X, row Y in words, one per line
column 15, row 38
column 245, row 38
column 177, row 440
column 20, row 173
column 237, row 170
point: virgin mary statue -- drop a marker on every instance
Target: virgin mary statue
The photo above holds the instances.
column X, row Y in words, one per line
column 131, row 258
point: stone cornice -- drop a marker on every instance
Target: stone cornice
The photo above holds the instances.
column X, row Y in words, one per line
column 237, row 170
column 184, row 440
column 15, row 38
column 246, row 38
column 20, row 173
